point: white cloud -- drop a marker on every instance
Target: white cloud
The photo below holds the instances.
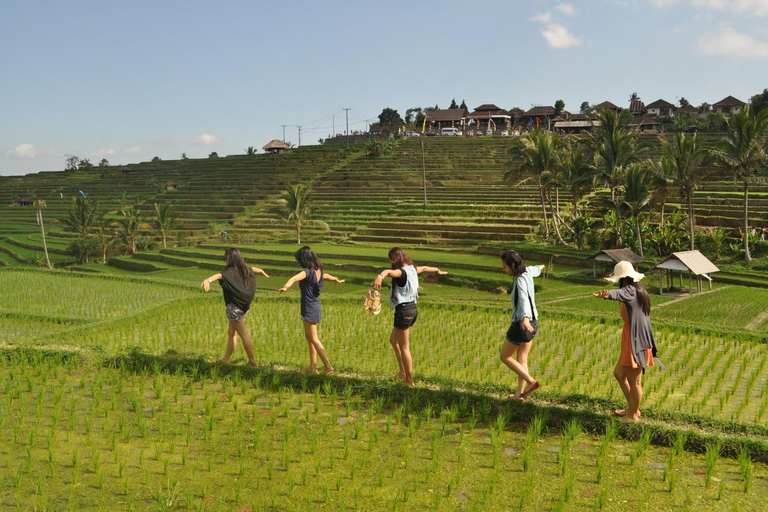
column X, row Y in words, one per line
column 544, row 17
column 755, row 7
column 103, row 152
column 132, row 150
column 727, row 41
column 663, row 3
column 557, row 36
column 22, row 151
column 566, row 9
column 206, row 139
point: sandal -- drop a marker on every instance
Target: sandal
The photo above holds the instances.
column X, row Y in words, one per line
column 309, row 371
column 533, row 387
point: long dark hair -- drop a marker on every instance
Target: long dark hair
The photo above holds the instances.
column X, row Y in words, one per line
column 308, row 259
column 642, row 293
column 514, row 261
column 233, row 258
column 398, row 258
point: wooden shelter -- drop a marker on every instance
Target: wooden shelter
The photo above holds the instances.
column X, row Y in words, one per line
column 615, row 255
column 23, row 201
column 276, row 146
column 439, row 118
column 692, row 261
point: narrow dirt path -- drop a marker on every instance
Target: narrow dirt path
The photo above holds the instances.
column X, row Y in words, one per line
column 754, row 324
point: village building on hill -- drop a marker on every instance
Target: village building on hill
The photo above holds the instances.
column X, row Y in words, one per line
column 660, row 108
column 488, row 118
column 445, row 118
column 728, row 105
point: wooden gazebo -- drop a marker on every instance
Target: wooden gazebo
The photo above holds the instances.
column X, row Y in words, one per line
column 615, row 256
column 692, row 261
column 276, row 146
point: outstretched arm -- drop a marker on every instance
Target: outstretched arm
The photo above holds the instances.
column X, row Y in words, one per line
column 329, row 277
column 384, row 274
column 206, row 284
column 298, row 277
column 430, row 270
column 259, row 271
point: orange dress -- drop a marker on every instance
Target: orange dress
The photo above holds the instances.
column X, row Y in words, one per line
column 625, row 358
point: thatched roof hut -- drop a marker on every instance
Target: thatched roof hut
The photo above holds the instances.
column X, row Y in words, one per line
column 615, row 256
column 695, row 263
column 276, row 146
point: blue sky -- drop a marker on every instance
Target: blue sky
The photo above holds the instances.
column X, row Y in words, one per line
column 128, row 81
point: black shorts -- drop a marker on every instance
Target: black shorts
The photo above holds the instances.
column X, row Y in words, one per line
column 513, row 335
column 405, row 315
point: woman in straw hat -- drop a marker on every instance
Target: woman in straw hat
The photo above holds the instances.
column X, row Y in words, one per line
column 638, row 348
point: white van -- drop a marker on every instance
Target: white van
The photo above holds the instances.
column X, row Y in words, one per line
column 450, row 132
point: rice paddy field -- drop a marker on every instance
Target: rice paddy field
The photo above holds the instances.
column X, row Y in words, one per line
column 113, row 399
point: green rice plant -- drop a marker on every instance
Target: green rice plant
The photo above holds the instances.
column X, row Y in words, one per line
column 601, row 500
column 745, row 467
column 641, row 445
column 711, row 455
column 536, row 427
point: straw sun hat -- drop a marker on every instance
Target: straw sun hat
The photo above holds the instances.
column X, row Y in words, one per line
column 624, row 269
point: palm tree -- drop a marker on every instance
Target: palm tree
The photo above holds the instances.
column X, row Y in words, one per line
column 684, row 158
column 743, row 153
column 81, row 217
column 250, row 151
column 164, row 221
column 296, row 208
column 615, row 148
column 132, row 224
column 105, row 236
column 638, row 193
column 576, row 172
column 40, row 204
column 538, row 154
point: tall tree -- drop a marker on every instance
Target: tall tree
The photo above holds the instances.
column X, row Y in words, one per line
column 586, row 108
column 105, row 236
column 81, row 217
column 132, row 224
column 390, row 117
column 296, row 208
column 683, row 102
column 743, row 153
column 537, row 154
column 453, row 104
column 759, row 102
column 576, row 171
column 39, row 204
column 684, row 157
column 464, row 107
column 559, row 107
column 164, row 221
column 615, row 148
column 638, row 194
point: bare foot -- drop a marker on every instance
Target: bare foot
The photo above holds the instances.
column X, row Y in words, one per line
column 627, row 417
column 513, row 396
column 329, row 371
column 312, row 370
column 623, row 412
column 397, row 376
column 253, row 364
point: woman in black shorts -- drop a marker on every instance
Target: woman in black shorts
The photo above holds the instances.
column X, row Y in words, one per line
column 403, row 297
column 524, row 318
column 238, row 282
column 311, row 281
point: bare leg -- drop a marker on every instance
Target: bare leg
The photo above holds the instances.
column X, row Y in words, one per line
column 522, row 358
column 315, row 347
column 247, row 343
column 635, row 379
column 231, row 342
column 619, row 373
column 508, row 350
column 402, row 339
column 393, row 340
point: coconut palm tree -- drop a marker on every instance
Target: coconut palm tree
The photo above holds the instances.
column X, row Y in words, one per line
column 615, row 148
column 538, row 155
column 296, row 208
column 684, row 158
column 743, row 153
column 164, row 221
column 638, row 193
column 40, row 204
column 576, row 172
column 81, row 217
column 132, row 224
column 105, row 236
column 250, row 151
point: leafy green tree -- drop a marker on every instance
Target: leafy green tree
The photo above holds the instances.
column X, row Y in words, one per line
column 184, row 156
column 39, row 204
column 743, row 153
column 104, row 236
column 132, row 223
column 71, row 162
column 104, row 163
column 296, row 208
column 559, row 107
column 164, row 221
column 454, row 104
column 464, row 107
column 213, row 155
column 390, row 117
column 81, row 217
column 576, row 172
column 615, row 148
column 684, row 157
column 586, row 108
column 156, row 159
column 683, row 102
column 759, row 102
column 84, row 164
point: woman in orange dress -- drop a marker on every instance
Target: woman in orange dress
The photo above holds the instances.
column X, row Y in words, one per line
column 638, row 348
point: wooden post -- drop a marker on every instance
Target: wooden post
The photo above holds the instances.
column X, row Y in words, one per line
column 661, row 281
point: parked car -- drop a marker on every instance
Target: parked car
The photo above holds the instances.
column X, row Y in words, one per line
column 412, row 134
column 504, row 133
column 430, row 134
column 450, row 132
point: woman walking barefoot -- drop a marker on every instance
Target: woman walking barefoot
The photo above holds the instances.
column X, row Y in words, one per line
column 238, row 282
column 403, row 297
column 311, row 281
column 638, row 348
column 524, row 318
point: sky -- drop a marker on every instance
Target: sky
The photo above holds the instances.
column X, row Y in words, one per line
column 128, row 81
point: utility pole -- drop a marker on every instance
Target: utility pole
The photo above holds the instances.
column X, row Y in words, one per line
column 299, row 127
column 346, row 112
column 283, row 125
column 334, row 127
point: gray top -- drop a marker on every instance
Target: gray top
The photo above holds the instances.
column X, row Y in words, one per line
column 524, row 282
column 639, row 324
column 311, row 288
